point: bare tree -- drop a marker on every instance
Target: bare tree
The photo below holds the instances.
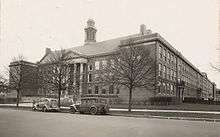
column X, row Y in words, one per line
column 3, row 80
column 131, row 66
column 54, row 73
column 3, row 84
column 16, row 76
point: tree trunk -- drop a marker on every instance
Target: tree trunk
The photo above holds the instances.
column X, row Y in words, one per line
column 59, row 94
column 18, row 96
column 130, row 97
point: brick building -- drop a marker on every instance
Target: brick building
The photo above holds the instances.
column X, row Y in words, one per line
column 172, row 68
column 217, row 95
column 26, row 73
column 175, row 76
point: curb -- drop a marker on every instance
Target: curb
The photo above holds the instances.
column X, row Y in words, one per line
column 162, row 117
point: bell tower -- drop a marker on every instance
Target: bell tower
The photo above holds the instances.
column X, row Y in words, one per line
column 90, row 32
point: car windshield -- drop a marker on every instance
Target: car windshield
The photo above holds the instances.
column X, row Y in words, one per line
column 89, row 100
column 53, row 102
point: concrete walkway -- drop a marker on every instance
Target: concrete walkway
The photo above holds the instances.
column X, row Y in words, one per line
column 176, row 111
column 134, row 110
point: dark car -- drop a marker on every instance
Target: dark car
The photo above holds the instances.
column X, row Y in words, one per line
column 46, row 104
column 92, row 105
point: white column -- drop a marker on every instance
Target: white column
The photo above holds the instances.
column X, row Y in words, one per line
column 81, row 68
column 81, row 78
column 74, row 74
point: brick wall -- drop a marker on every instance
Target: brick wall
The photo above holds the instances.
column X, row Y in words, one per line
column 29, row 78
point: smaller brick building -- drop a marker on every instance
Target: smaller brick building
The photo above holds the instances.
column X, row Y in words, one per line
column 26, row 73
column 217, row 95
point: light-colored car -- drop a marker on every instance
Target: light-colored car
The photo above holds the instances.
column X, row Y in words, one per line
column 46, row 104
column 92, row 105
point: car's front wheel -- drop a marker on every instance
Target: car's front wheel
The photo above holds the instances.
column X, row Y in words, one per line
column 72, row 110
column 44, row 109
column 34, row 108
column 103, row 112
column 93, row 110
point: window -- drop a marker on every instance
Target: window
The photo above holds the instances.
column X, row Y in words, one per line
column 96, row 89
column 171, row 58
column 171, row 74
column 164, row 87
column 160, row 49
column 168, row 73
column 138, row 57
column 89, row 91
column 160, row 69
column 111, row 89
column 96, row 76
column 160, row 52
column 97, row 65
column 164, row 71
column 171, row 89
column 164, row 54
column 90, row 67
column 168, row 88
column 112, row 62
column 89, row 77
column 104, row 63
column 118, row 90
column 179, row 68
column 103, row 91
column 168, row 57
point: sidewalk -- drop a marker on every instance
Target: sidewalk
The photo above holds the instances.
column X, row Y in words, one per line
column 133, row 110
column 177, row 111
column 20, row 105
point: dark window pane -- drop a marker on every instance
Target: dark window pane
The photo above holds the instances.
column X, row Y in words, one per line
column 111, row 89
column 103, row 91
column 118, row 90
column 89, row 91
column 96, row 89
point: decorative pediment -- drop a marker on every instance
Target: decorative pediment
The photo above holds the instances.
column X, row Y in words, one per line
column 71, row 54
column 67, row 55
column 77, row 60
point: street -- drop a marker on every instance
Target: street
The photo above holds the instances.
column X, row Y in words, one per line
column 21, row 123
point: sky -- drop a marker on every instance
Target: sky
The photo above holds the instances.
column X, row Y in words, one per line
column 191, row 26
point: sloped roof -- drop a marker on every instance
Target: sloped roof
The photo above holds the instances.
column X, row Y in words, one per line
column 100, row 47
column 111, row 45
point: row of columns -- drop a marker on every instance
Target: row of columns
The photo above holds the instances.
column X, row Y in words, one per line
column 77, row 70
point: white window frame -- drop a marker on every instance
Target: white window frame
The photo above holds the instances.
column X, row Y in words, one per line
column 97, row 65
column 104, row 63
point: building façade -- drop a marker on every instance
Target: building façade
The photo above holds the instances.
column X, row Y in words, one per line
column 174, row 75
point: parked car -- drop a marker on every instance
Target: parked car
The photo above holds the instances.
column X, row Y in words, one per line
column 46, row 104
column 92, row 105
column 66, row 102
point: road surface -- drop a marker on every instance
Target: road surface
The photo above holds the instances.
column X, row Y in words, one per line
column 21, row 123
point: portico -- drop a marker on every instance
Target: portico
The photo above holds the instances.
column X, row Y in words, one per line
column 78, row 72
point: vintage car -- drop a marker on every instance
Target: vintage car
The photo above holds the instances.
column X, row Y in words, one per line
column 46, row 104
column 92, row 105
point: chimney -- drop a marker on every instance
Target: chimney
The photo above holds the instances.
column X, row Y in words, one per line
column 47, row 51
column 142, row 29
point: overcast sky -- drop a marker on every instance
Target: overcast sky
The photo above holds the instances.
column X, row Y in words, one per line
column 29, row 26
